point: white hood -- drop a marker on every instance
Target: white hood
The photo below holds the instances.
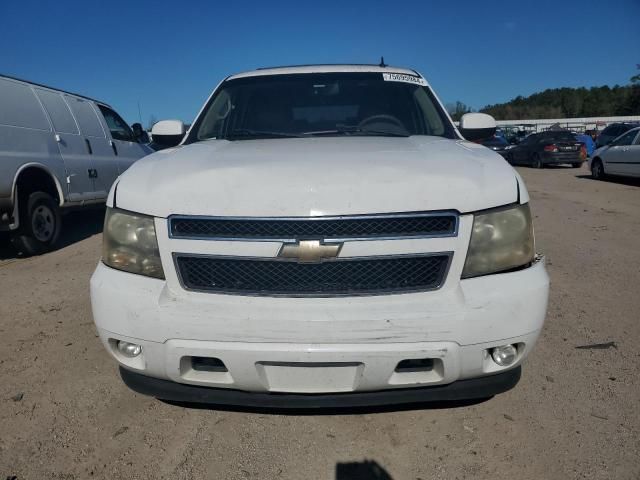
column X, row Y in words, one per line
column 318, row 176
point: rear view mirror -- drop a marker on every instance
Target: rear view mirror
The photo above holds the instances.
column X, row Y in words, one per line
column 477, row 126
column 168, row 133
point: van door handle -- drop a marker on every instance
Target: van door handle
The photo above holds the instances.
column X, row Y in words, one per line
column 93, row 173
column 115, row 150
column 86, row 140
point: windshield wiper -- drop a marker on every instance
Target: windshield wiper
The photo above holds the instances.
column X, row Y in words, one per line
column 248, row 133
column 356, row 130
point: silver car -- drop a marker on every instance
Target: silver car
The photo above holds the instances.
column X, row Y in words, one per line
column 57, row 150
column 620, row 157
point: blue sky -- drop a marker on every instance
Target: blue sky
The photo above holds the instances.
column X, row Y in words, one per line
column 170, row 55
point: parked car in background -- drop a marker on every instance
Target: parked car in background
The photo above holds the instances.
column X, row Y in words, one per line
column 620, row 157
column 323, row 236
column 515, row 137
column 612, row 132
column 57, row 150
column 499, row 145
column 552, row 147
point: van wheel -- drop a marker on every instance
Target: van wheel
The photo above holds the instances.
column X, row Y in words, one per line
column 40, row 224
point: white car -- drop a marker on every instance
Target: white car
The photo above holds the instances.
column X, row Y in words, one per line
column 620, row 157
column 322, row 236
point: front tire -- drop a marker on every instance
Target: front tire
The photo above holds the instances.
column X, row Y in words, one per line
column 576, row 165
column 40, row 224
column 597, row 169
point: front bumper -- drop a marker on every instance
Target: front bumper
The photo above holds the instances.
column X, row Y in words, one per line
column 318, row 346
column 475, row 388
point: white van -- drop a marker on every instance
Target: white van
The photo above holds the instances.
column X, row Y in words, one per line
column 57, row 150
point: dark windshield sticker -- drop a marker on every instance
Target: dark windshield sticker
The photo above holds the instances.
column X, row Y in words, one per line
column 401, row 77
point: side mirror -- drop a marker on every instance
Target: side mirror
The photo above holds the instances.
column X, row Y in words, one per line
column 139, row 135
column 477, row 126
column 168, row 133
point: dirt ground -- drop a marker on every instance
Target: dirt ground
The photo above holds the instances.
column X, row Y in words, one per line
column 65, row 414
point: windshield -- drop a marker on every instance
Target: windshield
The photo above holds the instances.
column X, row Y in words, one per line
column 321, row 104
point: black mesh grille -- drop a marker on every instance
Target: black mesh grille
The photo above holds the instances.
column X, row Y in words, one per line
column 317, row 228
column 258, row 276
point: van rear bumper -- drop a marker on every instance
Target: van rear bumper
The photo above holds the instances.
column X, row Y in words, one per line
column 469, row 389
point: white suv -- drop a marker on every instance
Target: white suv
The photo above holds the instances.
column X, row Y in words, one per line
column 322, row 236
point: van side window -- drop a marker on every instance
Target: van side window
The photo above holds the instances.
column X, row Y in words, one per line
column 86, row 116
column 20, row 107
column 117, row 126
column 58, row 110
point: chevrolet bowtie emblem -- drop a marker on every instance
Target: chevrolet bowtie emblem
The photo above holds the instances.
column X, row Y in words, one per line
column 310, row 250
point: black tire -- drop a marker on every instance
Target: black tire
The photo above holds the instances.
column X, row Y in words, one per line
column 5, row 240
column 597, row 169
column 537, row 162
column 40, row 224
column 576, row 165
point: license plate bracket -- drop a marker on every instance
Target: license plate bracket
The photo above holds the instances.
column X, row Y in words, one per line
column 310, row 377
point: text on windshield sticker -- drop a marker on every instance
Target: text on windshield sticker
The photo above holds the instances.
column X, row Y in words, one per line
column 401, row 77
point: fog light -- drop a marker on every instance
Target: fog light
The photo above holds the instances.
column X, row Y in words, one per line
column 504, row 355
column 129, row 349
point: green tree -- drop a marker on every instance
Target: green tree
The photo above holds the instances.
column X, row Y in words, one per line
column 633, row 103
column 572, row 102
column 636, row 78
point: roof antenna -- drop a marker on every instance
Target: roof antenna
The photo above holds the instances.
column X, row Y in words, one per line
column 382, row 64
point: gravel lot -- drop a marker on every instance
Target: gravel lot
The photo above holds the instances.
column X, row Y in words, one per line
column 64, row 413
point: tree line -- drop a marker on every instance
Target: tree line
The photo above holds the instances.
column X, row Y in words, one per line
column 570, row 102
column 602, row 101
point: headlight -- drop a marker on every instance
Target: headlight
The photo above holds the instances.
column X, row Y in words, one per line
column 501, row 240
column 129, row 243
